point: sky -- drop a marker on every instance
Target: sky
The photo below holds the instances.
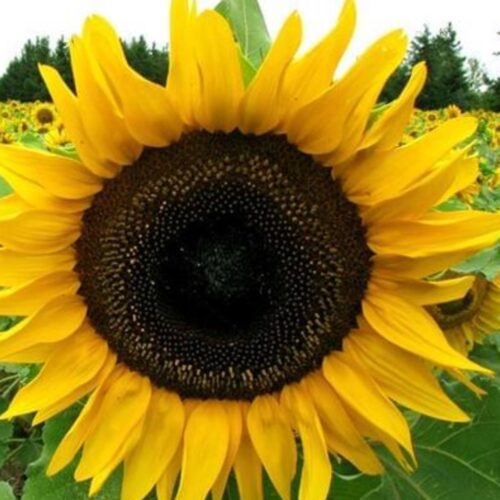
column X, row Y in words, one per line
column 476, row 21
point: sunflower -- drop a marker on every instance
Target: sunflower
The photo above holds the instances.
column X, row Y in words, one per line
column 227, row 268
column 453, row 111
column 43, row 114
column 468, row 320
column 56, row 138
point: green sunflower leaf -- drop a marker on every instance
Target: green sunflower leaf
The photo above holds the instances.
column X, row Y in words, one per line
column 488, row 199
column 249, row 28
column 6, row 492
column 486, row 262
column 459, row 461
column 32, row 140
column 488, row 354
column 6, row 430
column 452, row 204
column 247, row 68
column 5, row 189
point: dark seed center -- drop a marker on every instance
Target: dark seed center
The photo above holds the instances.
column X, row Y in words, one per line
column 219, row 276
column 455, row 312
column 223, row 266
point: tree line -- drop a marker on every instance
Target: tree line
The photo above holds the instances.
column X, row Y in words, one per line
column 22, row 81
column 452, row 79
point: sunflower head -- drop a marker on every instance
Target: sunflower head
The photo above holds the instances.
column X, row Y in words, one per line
column 470, row 319
column 453, row 111
column 43, row 115
column 234, row 264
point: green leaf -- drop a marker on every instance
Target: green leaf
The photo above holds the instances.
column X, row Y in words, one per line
column 62, row 486
column 6, row 492
column 452, row 204
column 247, row 69
column 458, row 461
column 67, row 151
column 249, row 28
column 32, row 140
column 486, row 262
column 5, row 189
column 5, row 323
column 488, row 354
column 377, row 112
column 6, row 430
column 488, row 199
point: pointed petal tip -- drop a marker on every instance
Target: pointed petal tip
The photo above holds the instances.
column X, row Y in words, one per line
column 295, row 19
column 53, row 468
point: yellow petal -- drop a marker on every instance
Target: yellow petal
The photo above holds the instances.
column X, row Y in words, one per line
column 72, row 364
column 17, row 269
column 418, row 267
column 183, row 83
column 38, row 197
column 376, row 434
column 260, row 106
column 166, row 484
column 466, row 173
column 436, row 233
column 355, row 127
column 464, row 378
column 234, row 414
column 157, row 446
column 39, row 232
column 35, row 354
column 383, row 175
column 123, row 408
column 11, row 206
column 318, row 127
column 411, row 203
column 28, row 298
column 102, row 121
column 411, row 328
column 341, row 434
column 402, row 376
column 147, row 109
column 425, row 292
column 489, row 314
column 78, row 393
column 312, row 73
column 206, row 443
column 83, row 426
column 317, row 469
column 388, row 130
column 359, row 391
column 248, row 468
column 102, row 476
column 59, row 175
column 221, row 91
column 67, row 106
column 273, row 441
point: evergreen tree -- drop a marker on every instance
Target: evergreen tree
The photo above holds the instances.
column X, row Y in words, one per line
column 61, row 61
column 447, row 82
column 22, row 80
column 159, row 64
column 149, row 62
column 395, row 84
column 448, row 79
column 490, row 99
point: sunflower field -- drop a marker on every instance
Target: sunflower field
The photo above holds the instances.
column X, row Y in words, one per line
column 261, row 284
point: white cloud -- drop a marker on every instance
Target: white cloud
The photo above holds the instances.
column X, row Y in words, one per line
column 476, row 22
